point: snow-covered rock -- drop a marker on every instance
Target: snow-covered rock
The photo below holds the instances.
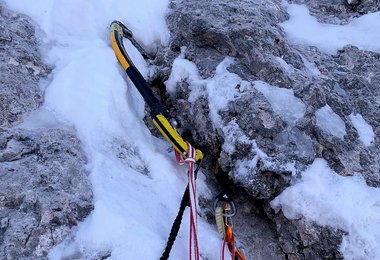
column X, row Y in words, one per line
column 21, row 68
column 263, row 99
column 293, row 102
column 44, row 185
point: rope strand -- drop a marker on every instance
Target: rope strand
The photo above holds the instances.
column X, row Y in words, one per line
column 176, row 225
column 189, row 198
column 190, row 161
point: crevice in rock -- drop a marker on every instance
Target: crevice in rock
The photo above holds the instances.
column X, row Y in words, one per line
column 252, row 224
column 315, row 78
column 28, row 237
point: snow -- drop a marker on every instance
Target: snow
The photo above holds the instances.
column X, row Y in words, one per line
column 330, row 122
column 288, row 67
column 70, row 22
column 185, row 70
column 234, row 134
column 302, row 28
column 244, row 169
column 42, row 117
column 220, row 89
column 137, row 186
column 332, row 200
column 311, row 68
column 283, row 102
column 365, row 131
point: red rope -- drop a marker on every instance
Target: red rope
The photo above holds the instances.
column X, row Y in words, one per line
column 233, row 248
column 223, row 248
column 190, row 161
column 231, row 252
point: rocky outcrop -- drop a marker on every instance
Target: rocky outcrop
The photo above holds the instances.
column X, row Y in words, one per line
column 44, row 190
column 339, row 11
column 44, row 186
column 21, row 68
column 261, row 141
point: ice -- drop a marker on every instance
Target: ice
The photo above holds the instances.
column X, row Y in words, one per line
column 311, row 68
column 330, row 122
column 365, row 131
column 288, row 68
column 283, row 102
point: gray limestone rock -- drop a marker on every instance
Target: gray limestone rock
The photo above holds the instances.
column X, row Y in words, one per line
column 366, row 6
column 316, row 242
column 257, row 146
column 44, row 190
column 355, row 73
column 21, row 68
column 44, row 186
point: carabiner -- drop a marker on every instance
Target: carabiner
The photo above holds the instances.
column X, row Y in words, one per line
column 223, row 199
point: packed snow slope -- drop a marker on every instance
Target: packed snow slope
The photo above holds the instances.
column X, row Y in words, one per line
column 137, row 186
